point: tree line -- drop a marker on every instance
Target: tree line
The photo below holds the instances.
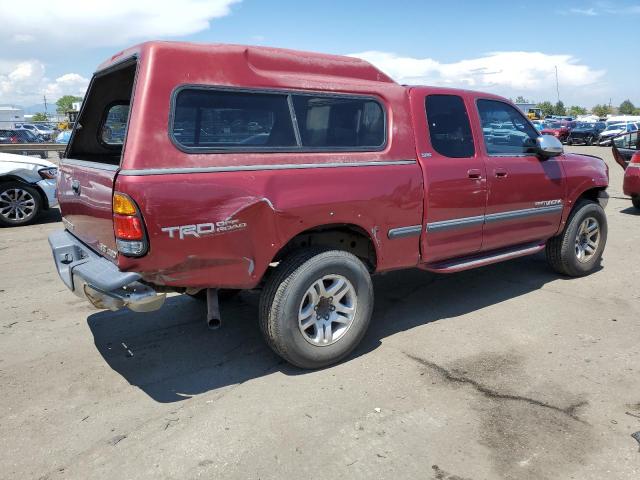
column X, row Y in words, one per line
column 559, row 108
column 63, row 105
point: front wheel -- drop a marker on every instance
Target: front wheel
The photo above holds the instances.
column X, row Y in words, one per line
column 19, row 204
column 578, row 249
column 316, row 307
column 636, row 202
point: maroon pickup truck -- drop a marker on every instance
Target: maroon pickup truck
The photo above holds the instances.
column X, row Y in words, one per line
column 202, row 169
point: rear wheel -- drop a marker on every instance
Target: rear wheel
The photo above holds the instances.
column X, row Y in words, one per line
column 19, row 204
column 578, row 250
column 589, row 141
column 316, row 307
column 636, row 202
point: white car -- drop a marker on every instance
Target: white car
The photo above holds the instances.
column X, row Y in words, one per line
column 615, row 129
column 27, row 187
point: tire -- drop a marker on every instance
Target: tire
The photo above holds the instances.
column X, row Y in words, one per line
column 287, row 295
column 569, row 141
column 27, row 208
column 636, row 202
column 589, row 141
column 563, row 251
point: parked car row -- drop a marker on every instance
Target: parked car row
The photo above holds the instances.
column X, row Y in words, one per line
column 574, row 132
column 17, row 136
column 42, row 130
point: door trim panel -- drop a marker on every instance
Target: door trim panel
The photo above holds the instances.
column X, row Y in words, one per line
column 492, row 217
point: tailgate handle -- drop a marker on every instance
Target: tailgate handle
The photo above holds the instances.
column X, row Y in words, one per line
column 75, row 186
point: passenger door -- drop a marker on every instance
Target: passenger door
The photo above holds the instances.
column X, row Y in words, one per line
column 526, row 193
column 453, row 175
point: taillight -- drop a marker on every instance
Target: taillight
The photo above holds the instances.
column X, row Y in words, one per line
column 636, row 159
column 131, row 238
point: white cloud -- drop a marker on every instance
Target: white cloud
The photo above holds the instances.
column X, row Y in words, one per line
column 589, row 12
column 604, row 8
column 507, row 73
column 91, row 23
column 25, row 83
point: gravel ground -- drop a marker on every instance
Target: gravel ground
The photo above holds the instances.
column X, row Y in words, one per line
column 509, row 371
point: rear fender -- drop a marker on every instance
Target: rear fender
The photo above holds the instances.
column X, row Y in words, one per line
column 224, row 229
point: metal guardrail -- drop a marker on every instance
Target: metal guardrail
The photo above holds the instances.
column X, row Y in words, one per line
column 32, row 147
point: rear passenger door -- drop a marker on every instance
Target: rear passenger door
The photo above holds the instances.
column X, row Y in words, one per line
column 526, row 193
column 454, row 176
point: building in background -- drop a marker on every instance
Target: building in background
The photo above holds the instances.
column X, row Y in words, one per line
column 10, row 115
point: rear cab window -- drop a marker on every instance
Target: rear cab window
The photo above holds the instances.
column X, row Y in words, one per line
column 217, row 120
column 449, row 126
column 505, row 130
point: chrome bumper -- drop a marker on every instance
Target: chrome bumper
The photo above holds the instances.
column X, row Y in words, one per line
column 96, row 279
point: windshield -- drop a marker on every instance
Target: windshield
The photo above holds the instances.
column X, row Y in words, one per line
column 585, row 125
column 554, row 125
column 616, row 126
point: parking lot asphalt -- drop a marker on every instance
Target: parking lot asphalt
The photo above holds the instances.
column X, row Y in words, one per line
column 509, row 371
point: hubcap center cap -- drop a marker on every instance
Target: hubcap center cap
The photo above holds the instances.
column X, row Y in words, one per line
column 324, row 308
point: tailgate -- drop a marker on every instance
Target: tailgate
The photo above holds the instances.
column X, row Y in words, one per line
column 93, row 157
column 85, row 194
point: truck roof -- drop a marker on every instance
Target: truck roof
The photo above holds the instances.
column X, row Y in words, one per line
column 269, row 60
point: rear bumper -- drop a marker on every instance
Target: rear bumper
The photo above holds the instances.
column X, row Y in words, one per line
column 96, row 279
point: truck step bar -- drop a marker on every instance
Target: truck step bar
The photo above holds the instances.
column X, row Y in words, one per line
column 474, row 261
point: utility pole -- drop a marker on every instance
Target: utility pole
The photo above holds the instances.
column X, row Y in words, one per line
column 45, row 107
column 557, row 84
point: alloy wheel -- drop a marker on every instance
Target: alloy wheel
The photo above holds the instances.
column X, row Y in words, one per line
column 587, row 239
column 327, row 310
column 17, row 205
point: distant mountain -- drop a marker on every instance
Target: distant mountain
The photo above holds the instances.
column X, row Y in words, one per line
column 51, row 108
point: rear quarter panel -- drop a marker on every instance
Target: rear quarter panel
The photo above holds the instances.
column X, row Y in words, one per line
column 271, row 207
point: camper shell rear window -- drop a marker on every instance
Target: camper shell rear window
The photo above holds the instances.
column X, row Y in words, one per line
column 216, row 119
column 100, row 130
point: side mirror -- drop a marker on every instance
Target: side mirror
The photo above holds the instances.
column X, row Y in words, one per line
column 548, row 146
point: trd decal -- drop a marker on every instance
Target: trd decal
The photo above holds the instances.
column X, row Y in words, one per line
column 203, row 229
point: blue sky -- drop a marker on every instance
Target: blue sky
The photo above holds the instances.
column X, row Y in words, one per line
column 506, row 47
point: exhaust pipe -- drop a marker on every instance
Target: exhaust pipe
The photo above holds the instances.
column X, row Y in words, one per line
column 214, row 321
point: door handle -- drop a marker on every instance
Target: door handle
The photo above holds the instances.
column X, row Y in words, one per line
column 500, row 172
column 474, row 173
column 75, row 186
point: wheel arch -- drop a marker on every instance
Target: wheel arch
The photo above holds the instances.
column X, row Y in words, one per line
column 593, row 193
column 6, row 178
column 347, row 237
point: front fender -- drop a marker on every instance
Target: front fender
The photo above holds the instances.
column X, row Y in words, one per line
column 586, row 176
